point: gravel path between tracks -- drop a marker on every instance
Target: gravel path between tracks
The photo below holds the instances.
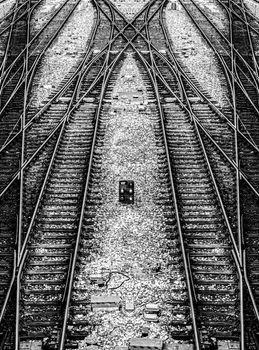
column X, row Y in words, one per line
column 216, row 14
column 43, row 13
column 64, row 54
column 130, row 239
column 130, row 7
column 253, row 6
column 195, row 54
column 5, row 7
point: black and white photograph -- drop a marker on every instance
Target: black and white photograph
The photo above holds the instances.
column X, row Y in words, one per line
column 129, row 174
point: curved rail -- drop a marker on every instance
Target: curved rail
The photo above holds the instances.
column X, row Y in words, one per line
column 130, row 43
column 23, row 247
column 238, row 251
column 253, row 73
column 104, row 75
column 31, row 71
column 222, row 61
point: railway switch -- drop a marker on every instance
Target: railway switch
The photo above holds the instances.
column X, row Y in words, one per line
column 126, row 192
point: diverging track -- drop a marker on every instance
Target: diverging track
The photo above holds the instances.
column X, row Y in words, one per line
column 85, row 263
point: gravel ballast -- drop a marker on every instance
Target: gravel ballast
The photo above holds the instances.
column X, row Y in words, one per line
column 5, row 7
column 130, row 7
column 130, row 239
column 64, row 54
column 253, row 6
column 195, row 54
column 216, row 14
column 43, row 13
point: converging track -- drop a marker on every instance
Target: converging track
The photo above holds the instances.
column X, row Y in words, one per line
column 66, row 240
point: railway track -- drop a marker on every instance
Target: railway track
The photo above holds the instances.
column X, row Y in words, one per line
column 25, row 134
column 247, row 225
column 10, row 153
column 244, row 88
column 200, row 199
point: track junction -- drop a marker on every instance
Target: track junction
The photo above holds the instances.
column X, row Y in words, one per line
column 51, row 166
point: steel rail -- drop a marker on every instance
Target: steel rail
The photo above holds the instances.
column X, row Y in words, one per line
column 230, row 11
column 248, row 11
column 255, row 308
column 250, row 39
column 221, row 60
column 112, row 23
column 236, row 166
column 212, row 139
column 68, row 299
column 44, row 27
column 190, row 111
column 238, row 263
column 232, row 164
column 193, row 117
column 46, row 179
column 230, row 161
column 24, row 246
column 17, row 304
column 10, row 286
column 60, row 125
column 87, row 55
column 37, row 60
column 96, row 57
column 241, row 287
column 149, row 69
column 241, row 319
column 238, row 260
column 196, row 89
column 7, row 46
column 26, row 239
column 237, row 53
column 138, row 31
column 228, row 8
column 107, row 75
column 239, row 224
column 15, row 176
column 173, row 186
column 222, row 203
column 9, row 39
column 37, row 35
column 236, row 250
column 11, row 11
column 108, row 72
column 21, row 16
column 21, row 178
column 58, row 94
column 200, row 93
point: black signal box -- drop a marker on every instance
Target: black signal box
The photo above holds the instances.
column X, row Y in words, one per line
column 126, row 192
